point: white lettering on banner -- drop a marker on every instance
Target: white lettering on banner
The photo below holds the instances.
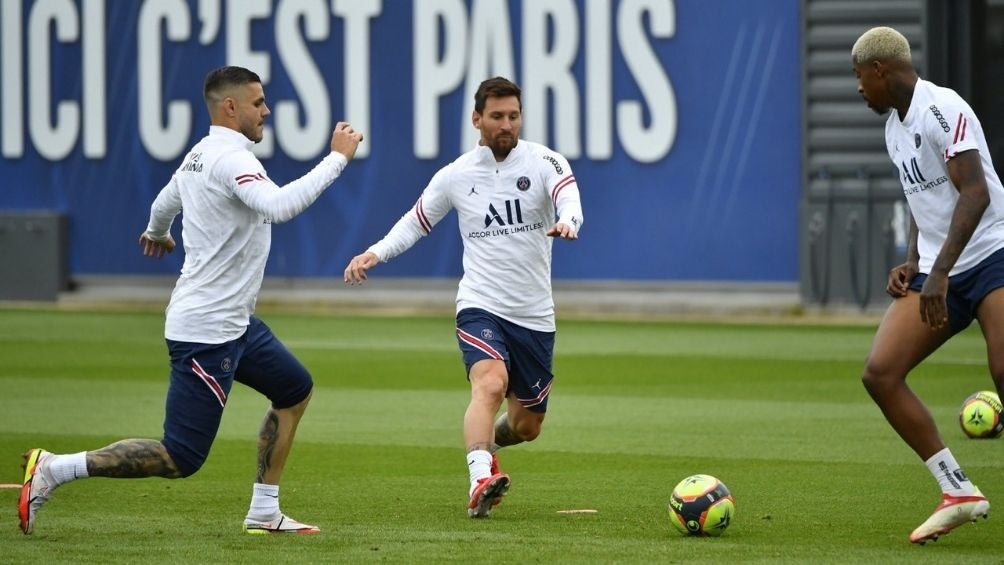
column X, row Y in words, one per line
column 550, row 48
column 435, row 77
column 162, row 140
column 240, row 13
column 550, row 70
column 310, row 139
column 53, row 139
column 599, row 82
column 209, row 17
column 11, row 80
column 567, row 50
column 491, row 54
column 646, row 144
column 95, row 93
column 357, row 15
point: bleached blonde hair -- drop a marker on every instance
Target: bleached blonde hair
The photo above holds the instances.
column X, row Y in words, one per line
column 881, row 44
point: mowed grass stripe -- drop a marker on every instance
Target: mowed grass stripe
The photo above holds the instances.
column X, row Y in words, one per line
column 777, row 412
column 588, row 424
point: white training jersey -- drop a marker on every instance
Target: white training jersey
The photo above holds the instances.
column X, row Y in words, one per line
column 938, row 126
column 503, row 211
column 229, row 204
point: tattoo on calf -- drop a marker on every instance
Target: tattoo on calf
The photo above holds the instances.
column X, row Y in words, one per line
column 267, row 438
column 504, row 435
column 132, row 459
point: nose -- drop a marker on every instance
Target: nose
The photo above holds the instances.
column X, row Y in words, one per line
column 265, row 110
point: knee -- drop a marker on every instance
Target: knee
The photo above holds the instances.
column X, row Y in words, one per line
column 490, row 386
column 300, row 407
column 295, row 397
column 528, row 431
column 877, row 380
column 186, row 461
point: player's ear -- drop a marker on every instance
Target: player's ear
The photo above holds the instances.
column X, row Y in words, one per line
column 476, row 119
column 229, row 106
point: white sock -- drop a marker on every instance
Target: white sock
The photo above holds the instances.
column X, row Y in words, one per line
column 264, row 502
column 66, row 468
column 479, row 462
column 949, row 475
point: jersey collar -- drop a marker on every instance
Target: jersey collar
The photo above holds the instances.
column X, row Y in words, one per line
column 231, row 136
column 485, row 154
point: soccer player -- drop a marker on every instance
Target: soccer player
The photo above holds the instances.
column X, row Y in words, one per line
column 212, row 335
column 507, row 193
column 954, row 269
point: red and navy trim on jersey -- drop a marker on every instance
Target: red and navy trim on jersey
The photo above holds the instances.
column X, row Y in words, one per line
column 960, row 128
column 479, row 344
column 210, row 382
column 249, row 177
column 423, row 220
column 560, row 186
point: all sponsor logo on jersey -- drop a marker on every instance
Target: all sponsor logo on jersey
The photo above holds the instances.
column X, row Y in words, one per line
column 505, row 220
column 523, row 183
column 914, row 181
column 511, row 206
column 941, row 119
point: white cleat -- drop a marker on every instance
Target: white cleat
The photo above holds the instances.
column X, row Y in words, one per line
column 950, row 514
column 280, row 525
column 37, row 487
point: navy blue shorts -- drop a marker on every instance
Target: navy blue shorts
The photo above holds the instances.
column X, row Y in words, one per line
column 967, row 289
column 201, row 378
column 527, row 354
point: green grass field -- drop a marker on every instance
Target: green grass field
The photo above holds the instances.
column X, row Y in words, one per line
column 776, row 411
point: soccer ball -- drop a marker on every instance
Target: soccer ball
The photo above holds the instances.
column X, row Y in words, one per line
column 701, row 505
column 980, row 415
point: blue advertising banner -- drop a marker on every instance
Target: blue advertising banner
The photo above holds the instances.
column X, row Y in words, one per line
column 681, row 120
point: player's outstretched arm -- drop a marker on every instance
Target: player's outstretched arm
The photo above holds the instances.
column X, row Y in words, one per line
column 355, row 273
column 155, row 247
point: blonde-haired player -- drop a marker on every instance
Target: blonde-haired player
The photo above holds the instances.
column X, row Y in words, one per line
column 954, row 269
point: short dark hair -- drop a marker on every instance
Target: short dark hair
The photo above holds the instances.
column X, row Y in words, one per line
column 225, row 77
column 496, row 87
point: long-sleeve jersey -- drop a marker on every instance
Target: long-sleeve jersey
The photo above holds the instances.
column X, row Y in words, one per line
column 503, row 213
column 938, row 126
column 229, row 205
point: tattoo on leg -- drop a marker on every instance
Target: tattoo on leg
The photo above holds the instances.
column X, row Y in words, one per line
column 132, row 459
column 267, row 438
column 479, row 447
column 504, row 434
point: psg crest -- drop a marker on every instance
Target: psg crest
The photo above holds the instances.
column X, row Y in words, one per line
column 523, row 183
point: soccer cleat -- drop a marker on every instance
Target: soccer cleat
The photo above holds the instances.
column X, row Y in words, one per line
column 36, row 489
column 950, row 514
column 281, row 525
column 487, row 495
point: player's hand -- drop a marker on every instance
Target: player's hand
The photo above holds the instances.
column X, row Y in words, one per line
column 345, row 139
column 933, row 302
column 564, row 231
column 355, row 273
column 900, row 278
column 154, row 248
